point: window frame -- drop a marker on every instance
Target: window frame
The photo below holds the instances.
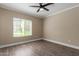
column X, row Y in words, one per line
column 24, row 28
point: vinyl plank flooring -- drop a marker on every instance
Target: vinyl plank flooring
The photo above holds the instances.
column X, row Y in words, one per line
column 39, row 48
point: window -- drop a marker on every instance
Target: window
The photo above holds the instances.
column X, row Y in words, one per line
column 22, row 27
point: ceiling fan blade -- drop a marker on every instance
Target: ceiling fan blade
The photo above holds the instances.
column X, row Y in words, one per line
column 46, row 9
column 34, row 6
column 38, row 10
column 48, row 4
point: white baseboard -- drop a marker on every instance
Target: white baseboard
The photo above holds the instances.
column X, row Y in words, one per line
column 17, row 43
column 64, row 44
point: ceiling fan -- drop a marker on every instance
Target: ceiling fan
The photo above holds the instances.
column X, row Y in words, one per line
column 42, row 6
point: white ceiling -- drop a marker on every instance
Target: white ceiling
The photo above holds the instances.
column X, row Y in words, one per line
column 24, row 8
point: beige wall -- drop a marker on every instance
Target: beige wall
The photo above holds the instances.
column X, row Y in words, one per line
column 6, row 25
column 63, row 27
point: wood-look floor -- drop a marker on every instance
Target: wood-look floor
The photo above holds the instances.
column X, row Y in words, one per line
column 39, row 48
